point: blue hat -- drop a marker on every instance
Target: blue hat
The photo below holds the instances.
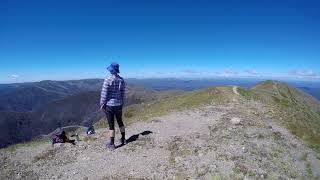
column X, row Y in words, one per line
column 114, row 68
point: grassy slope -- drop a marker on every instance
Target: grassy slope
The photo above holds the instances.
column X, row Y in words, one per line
column 33, row 143
column 186, row 100
column 299, row 111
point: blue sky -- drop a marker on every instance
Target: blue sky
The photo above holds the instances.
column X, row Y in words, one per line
column 74, row 39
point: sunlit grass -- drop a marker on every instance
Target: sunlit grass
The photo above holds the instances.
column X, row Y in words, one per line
column 140, row 112
column 295, row 109
column 32, row 143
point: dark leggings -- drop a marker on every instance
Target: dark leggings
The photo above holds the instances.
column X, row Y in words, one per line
column 111, row 112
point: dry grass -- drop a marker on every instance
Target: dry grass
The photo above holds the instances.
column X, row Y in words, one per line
column 90, row 138
column 46, row 155
column 140, row 112
column 33, row 143
column 295, row 109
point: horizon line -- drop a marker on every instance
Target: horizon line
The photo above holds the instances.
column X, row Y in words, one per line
column 302, row 79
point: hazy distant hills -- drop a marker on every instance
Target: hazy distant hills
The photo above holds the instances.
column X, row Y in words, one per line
column 31, row 109
column 312, row 88
column 30, row 96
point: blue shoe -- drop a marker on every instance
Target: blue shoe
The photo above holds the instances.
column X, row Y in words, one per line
column 111, row 146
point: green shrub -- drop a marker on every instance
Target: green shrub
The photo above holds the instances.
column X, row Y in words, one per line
column 247, row 93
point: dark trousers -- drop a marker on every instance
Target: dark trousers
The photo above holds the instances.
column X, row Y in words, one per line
column 114, row 112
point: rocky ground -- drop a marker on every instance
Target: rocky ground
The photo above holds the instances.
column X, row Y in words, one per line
column 236, row 140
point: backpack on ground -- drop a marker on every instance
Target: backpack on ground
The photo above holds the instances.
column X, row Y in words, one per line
column 91, row 130
column 58, row 136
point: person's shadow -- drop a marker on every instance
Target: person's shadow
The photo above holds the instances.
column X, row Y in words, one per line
column 134, row 138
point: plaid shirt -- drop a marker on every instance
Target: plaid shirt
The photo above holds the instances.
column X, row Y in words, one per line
column 112, row 93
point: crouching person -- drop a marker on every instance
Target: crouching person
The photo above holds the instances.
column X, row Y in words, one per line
column 111, row 102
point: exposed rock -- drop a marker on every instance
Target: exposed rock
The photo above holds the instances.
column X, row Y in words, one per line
column 235, row 121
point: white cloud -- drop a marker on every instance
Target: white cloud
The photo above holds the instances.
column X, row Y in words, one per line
column 231, row 72
column 160, row 73
column 251, row 72
column 303, row 73
column 190, row 71
column 14, row 76
column 227, row 73
column 223, row 73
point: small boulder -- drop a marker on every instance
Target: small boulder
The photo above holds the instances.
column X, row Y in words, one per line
column 235, row 121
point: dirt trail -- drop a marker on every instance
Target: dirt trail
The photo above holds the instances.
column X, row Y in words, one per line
column 200, row 143
column 235, row 90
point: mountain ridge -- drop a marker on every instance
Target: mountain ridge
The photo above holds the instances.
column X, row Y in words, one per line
column 212, row 133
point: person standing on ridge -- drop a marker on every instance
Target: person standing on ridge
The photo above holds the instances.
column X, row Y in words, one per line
column 111, row 102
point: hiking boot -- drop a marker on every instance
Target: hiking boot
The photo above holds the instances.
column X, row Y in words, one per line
column 111, row 146
column 123, row 141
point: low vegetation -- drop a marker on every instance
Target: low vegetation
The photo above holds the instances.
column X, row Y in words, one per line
column 46, row 155
column 292, row 107
column 89, row 138
column 140, row 112
column 33, row 143
column 247, row 93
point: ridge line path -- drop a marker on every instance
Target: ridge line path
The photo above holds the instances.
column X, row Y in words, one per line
column 235, row 90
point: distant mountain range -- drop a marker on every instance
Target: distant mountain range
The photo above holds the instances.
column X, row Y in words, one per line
column 312, row 88
column 31, row 96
